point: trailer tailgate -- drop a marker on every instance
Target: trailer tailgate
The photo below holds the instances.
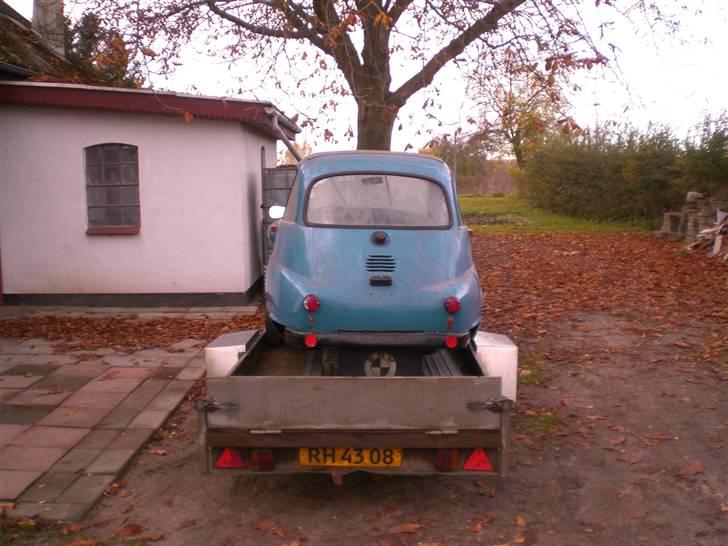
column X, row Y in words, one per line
column 354, row 403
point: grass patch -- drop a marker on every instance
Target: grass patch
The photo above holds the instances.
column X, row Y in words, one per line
column 510, row 214
column 536, row 422
column 29, row 532
column 531, row 371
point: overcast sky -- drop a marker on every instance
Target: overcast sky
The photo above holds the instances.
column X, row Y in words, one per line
column 662, row 80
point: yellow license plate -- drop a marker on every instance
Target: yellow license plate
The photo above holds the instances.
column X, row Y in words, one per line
column 370, row 457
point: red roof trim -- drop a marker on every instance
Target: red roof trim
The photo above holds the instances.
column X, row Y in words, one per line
column 141, row 102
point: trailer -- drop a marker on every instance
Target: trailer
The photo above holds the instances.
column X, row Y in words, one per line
column 392, row 410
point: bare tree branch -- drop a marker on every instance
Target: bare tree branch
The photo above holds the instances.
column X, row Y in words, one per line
column 483, row 25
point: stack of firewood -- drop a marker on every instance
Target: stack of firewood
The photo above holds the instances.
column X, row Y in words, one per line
column 712, row 238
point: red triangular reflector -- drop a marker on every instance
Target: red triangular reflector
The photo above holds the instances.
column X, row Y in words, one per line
column 230, row 458
column 478, row 460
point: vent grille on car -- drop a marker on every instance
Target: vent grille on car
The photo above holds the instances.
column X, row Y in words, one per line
column 380, row 262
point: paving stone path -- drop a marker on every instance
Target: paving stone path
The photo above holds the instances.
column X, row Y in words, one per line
column 71, row 422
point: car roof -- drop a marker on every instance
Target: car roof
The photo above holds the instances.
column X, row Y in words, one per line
column 330, row 163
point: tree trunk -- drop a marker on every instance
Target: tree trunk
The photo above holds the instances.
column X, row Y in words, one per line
column 374, row 125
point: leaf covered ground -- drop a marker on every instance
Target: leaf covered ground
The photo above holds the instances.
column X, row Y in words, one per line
column 620, row 431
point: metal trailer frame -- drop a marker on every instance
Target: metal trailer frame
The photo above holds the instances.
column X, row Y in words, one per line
column 290, row 412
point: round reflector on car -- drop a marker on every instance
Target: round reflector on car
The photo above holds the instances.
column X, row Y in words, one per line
column 311, row 303
column 452, row 304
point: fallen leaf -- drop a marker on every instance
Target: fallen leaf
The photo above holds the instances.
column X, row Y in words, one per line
column 477, row 527
column 127, row 509
column 130, row 529
column 634, row 458
column 483, row 489
column 519, row 539
column 74, row 528
column 595, row 417
column 153, row 537
column 618, row 440
column 624, row 492
column 639, row 514
column 694, row 467
column 187, row 523
column 86, row 542
column 158, row 452
column 521, row 521
column 405, row 528
column 271, row 527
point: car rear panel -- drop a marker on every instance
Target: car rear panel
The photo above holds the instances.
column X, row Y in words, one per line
column 338, row 265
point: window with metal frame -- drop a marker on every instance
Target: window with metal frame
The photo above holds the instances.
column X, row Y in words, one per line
column 112, row 189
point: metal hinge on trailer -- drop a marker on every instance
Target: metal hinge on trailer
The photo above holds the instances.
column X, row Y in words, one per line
column 211, row 405
column 497, row 405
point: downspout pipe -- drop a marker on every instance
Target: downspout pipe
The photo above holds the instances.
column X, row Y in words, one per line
column 276, row 117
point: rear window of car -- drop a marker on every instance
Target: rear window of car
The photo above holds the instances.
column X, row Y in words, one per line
column 377, row 200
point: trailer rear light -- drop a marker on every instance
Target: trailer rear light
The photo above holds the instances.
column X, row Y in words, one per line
column 451, row 342
column 477, row 460
column 230, row 458
column 261, row 459
column 447, row 459
column 311, row 303
column 310, row 341
column 452, row 304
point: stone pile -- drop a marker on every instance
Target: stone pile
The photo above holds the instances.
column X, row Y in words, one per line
column 699, row 213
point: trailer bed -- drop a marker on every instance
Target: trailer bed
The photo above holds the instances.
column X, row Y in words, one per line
column 291, row 400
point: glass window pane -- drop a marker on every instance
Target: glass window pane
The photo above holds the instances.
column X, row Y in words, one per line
column 97, row 217
column 94, row 174
column 130, row 195
column 94, row 154
column 112, row 153
column 131, row 216
column 96, row 196
column 113, row 196
column 129, row 173
column 129, row 154
column 115, row 216
column 112, row 174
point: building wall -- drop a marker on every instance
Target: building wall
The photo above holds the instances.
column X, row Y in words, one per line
column 199, row 195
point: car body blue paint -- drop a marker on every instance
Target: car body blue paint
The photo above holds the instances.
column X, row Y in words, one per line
column 430, row 264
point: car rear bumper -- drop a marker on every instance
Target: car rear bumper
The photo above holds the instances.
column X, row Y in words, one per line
column 377, row 339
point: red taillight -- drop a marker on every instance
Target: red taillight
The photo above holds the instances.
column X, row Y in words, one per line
column 261, row 459
column 478, row 460
column 447, row 459
column 274, row 228
column 451, row 342
column 230, row 458
column 310, row 341
column 311, row 303
column 452, row 304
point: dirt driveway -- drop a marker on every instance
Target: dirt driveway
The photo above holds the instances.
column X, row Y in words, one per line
column 621, row 432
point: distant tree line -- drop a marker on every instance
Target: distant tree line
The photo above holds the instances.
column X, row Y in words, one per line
column 620, row 172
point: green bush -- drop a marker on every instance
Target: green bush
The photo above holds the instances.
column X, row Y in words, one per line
column 623, row 173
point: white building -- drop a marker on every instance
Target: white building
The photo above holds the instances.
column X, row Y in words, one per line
column 128, row 196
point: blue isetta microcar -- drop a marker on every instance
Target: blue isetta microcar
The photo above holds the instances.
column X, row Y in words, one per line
column 371, row 251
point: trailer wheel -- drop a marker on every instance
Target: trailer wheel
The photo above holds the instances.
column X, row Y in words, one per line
column 273, row 332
